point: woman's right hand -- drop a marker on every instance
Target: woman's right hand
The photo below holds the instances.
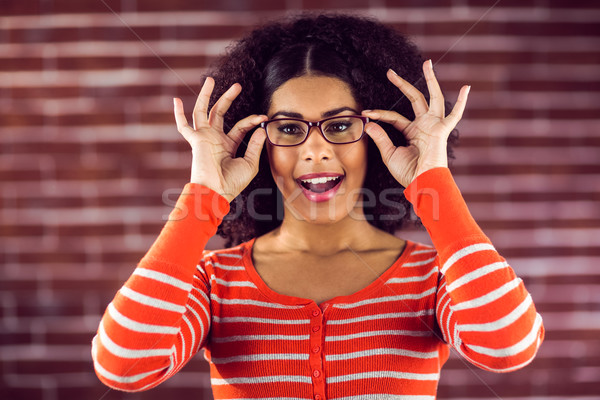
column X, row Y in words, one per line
column 214, row 164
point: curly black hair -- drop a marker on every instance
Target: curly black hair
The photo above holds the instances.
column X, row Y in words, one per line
column 357, row 50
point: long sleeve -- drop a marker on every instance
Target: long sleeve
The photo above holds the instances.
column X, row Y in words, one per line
column 161, row 316
column 483, row 308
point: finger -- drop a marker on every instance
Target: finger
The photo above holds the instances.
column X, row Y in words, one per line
column 180, row 119
column 458, row 109
column 382, row 141
column 255, row 146
column 216, row 116
column 201, row 107
column 419, row 104
column 238, row 132
column 391, row 117
column 436, row 97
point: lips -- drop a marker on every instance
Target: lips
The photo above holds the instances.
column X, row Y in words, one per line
column 320, row 186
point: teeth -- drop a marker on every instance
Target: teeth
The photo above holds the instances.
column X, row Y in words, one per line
column 320, row 180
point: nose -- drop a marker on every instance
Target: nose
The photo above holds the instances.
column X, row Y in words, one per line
column 316, row 148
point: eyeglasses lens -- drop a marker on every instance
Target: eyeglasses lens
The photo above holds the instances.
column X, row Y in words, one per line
column 289, row 132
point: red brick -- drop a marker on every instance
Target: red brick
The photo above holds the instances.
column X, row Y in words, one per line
column 205, row 5
column 549, row 4
column 59, row 6
column 340, row 5
column 504, row 28
column 21, row 393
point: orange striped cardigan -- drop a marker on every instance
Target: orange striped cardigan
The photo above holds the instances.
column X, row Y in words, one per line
column 388, row 340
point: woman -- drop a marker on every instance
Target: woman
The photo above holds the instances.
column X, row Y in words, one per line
column 317, row 299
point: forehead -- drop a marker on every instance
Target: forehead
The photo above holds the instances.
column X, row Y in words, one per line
column 310, row 95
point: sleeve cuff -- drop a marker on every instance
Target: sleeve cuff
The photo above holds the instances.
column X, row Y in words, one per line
column 194, row 220
column 438, row 202
column 200, row 202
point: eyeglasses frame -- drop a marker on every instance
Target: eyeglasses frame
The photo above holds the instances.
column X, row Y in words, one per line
column 317, row 124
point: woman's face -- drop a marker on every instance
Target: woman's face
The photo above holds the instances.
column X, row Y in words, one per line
column 297, row 169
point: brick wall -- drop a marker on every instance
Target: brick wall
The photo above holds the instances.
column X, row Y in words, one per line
column 90, row 161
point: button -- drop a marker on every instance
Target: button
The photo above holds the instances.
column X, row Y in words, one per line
column 316, row 328
column 316, row 313
column 316, row 373
column 316, row 349
column 318, row 397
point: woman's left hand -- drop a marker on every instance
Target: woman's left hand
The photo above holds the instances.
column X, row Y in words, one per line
column 427, row 135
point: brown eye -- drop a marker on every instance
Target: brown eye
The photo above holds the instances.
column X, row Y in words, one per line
column 290, row 129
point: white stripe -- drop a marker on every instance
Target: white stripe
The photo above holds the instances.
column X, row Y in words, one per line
column 123, row 352
column 522, row 345
column 234, row 283
column 237, row 338
column 489, row 297
column 173, row 359
column 386, row 299
column 201, row 292
column 249, row 302
column 478, row 273
column 151, row 301
column 381, row 352
column 124, row 379
column 451, row 338
column 359, row 335
column 182, row 345
column 446, row 332
column 385, row 396
column 440, row 299
column 189, row 324
column 489, row 367
column 261, row 320
column 419, row 263
column 206, row 313
column 163, row 278
column 414, row 278
column 383, row 374
column 420, row 313
column 286, row 398
column 262, row 379
column 199, row 282
column 499, row 323
column 228, row 267
column 138, row 326
column 193, row 331
column 199, row 303
column 228, row 255
column 474, row 248
column 423, row 251
column 259, row 357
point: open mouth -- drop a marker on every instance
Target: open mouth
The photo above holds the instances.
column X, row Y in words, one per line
column 321, row 184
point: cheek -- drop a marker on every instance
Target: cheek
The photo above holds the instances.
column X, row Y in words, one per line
column 281, row 162
column 355, row 160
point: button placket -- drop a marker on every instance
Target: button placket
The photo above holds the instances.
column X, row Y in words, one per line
column 316, row 352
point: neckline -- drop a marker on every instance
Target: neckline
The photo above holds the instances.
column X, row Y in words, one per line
column 285, row 299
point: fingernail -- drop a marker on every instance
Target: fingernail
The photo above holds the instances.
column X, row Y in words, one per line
column 394, row 72
column 367, row 111
column 468, row 88
column 430, row 63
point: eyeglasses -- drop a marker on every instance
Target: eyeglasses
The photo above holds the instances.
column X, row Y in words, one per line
column 337, row 130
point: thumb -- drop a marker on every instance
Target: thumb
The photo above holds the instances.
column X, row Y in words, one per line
column 382, row 140
column 255, row 146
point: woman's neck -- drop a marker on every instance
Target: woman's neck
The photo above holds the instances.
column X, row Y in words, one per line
column 326, row 239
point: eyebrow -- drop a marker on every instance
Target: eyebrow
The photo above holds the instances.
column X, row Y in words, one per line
column 326, row 114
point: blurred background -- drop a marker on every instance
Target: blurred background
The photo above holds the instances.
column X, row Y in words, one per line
column 91, row 162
